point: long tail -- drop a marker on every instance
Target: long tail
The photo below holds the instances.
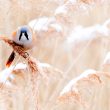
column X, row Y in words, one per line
column 10, row 59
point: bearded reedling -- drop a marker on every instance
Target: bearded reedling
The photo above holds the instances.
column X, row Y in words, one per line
column 23, row 37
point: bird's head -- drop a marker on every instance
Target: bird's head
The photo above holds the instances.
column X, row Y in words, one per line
column 23, row 35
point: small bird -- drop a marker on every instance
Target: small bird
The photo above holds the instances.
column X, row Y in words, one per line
column 24, row 37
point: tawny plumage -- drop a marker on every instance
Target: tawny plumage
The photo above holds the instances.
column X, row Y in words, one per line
column 24, row 37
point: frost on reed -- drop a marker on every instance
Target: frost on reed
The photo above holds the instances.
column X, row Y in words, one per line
column 16, row 86
column 80, row 89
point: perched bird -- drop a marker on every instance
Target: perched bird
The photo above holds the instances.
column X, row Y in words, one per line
column 24, row 37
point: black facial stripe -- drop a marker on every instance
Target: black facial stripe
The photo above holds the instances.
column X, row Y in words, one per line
column 20, row 36
column 25, row 33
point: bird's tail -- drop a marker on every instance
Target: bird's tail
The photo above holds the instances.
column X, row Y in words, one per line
column 10, row 59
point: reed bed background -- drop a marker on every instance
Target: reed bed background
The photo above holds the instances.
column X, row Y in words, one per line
column 71, row 53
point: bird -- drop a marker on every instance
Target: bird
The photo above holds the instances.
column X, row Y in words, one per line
column 23, row 36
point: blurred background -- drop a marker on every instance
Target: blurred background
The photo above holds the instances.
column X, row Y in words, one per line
column 72, row 35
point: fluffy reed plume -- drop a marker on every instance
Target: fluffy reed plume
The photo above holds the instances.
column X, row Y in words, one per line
column 84, row 34
column 46, row 27
column 78, row 89
column 32, row 64
column 64, row 11
column 73, row 88
column 16, row 82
